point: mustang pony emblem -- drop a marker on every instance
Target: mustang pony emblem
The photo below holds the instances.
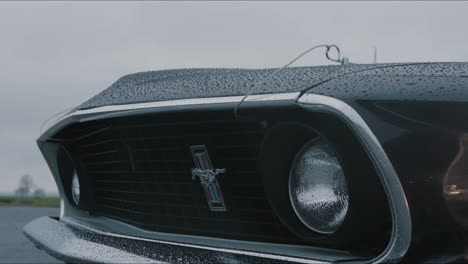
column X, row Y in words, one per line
column 207, row 175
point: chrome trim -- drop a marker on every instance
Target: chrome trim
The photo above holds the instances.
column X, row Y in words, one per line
column 401, row 218
column 192, row 101
column 111, row 226
column 171, row 103
column 401, row 221
column 58, row 240
column 75, row 223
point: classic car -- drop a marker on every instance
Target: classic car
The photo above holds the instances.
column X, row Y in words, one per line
column 356, row 163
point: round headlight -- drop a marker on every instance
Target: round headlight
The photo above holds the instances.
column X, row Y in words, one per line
column 75, row 188
column 318, row 189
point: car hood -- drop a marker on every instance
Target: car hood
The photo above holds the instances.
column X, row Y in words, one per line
column 352, row 81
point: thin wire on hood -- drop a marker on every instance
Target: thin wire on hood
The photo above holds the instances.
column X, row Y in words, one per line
column 339, row 59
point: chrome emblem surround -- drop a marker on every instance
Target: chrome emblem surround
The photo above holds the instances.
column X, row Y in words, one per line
column 207, row 174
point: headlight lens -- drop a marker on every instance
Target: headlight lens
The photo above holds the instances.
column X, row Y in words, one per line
column 75, row 188
column 318, row 188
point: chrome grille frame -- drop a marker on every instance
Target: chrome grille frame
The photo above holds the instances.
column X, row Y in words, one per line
column 401, row 220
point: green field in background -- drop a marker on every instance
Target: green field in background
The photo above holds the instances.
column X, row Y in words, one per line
column 29, row 201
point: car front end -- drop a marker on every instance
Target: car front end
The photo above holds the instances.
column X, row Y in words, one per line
column 353, row 163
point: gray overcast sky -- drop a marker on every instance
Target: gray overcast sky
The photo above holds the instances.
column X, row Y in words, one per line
column 55, row 55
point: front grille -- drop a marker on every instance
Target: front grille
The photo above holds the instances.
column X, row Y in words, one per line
column 141, row 171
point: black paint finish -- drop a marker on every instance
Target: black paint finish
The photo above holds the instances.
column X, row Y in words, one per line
column 421, row 145
column 417, row 111
column 350, row 81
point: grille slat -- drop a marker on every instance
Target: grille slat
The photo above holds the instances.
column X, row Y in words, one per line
column 219, row 229
column 97, row 143
column 104, row 201
column 141, row 172
column 184, row 135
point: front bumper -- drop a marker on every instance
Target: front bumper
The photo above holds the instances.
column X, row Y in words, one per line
column 72, row 243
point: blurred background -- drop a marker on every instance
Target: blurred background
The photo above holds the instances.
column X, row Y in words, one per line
column 55, row 55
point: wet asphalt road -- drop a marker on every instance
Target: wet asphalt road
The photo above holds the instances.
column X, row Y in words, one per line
column 14, row 246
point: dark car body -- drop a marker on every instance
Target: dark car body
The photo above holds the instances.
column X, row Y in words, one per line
column 400, row 129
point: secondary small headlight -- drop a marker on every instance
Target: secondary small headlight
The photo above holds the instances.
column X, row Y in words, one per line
column 75, row 188
column 318, row 188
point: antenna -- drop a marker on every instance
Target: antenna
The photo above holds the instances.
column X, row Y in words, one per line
column 339, row 59
column 375, row 55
